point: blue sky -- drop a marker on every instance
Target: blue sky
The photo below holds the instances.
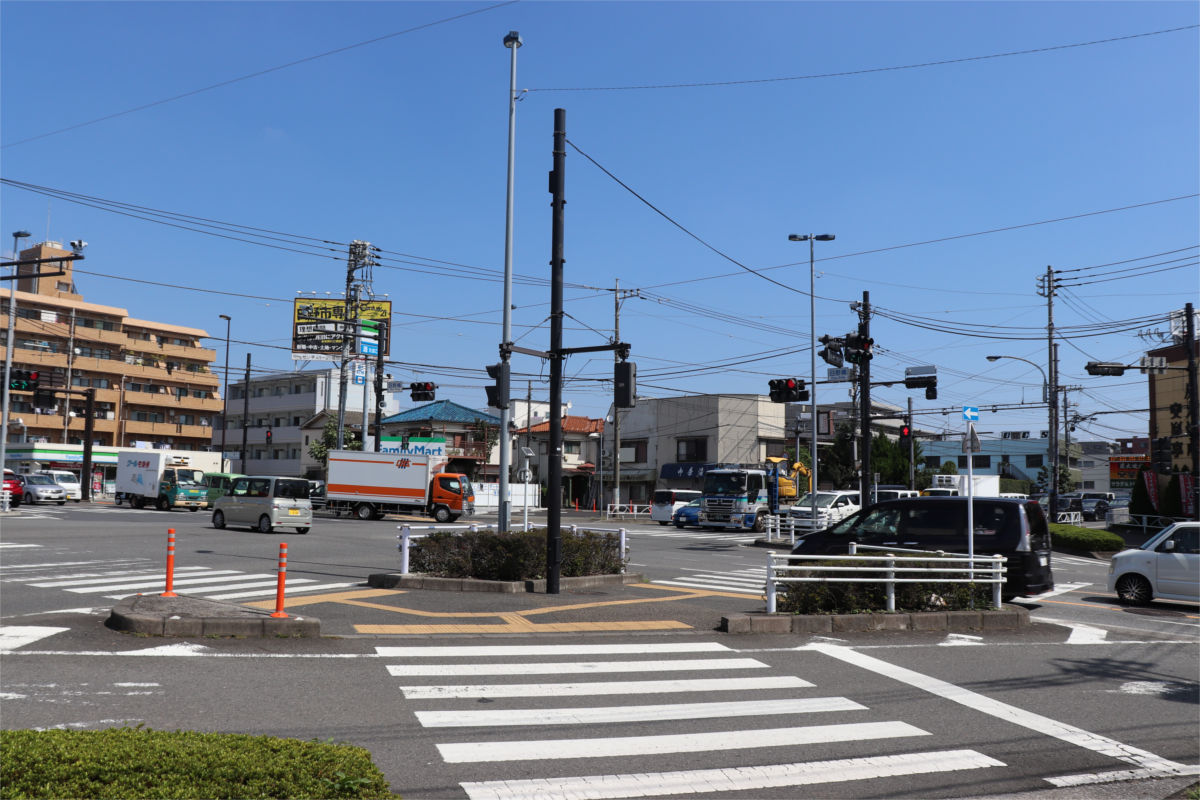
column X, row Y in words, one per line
column 402, row 142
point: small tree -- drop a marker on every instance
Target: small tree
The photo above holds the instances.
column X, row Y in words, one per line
column 948, row 468
column 1064, row 478
column 320, row 448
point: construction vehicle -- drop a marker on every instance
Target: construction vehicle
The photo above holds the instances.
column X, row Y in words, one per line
column 740, row 496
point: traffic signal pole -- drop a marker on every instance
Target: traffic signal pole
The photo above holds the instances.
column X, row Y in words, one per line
column 554, row 479
column 864, row 379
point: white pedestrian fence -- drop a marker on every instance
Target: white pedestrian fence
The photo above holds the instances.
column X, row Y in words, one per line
column 1070, row 517
column 5, row 500
column 888, row 569
column 409, row 532
column 779, row 526
column 623, row 510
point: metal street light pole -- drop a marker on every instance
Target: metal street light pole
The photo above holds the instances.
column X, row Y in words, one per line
column 1052, row 469
column 513, row 42
column 812, row 334
column 225, row 391
column 8, row 347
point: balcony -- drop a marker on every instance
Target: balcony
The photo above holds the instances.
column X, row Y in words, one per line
column 475, row 450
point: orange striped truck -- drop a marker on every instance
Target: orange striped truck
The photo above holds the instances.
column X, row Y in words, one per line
column 410, row 481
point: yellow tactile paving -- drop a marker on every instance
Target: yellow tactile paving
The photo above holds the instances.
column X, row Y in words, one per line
column 335, row 597
column 551, row 627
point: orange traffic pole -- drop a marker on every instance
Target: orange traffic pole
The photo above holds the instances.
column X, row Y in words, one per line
column 170, row 564
column 279, row 612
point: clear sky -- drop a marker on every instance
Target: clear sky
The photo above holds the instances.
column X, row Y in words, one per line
column 955, row 149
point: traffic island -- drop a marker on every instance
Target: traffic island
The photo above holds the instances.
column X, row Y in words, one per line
column 392, row 580
column 1003, row 619
column 155, row 615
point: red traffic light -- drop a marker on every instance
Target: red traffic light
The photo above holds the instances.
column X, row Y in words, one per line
column 905, row 431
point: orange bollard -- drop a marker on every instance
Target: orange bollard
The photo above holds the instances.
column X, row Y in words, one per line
column 576, row 505
column 279, row 612
column 170, row 564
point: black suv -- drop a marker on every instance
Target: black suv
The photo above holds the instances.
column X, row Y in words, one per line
column 1015, row 529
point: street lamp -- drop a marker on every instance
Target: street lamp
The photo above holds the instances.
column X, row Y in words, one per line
column 812, row 334
column 513, row 42
column 8, row 344
column 225, row 391
column 1053, row 432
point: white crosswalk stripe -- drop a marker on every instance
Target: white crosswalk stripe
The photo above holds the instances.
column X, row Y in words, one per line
column 752, row 581
column 212, row 584
column 592, row 731
column 727, row 536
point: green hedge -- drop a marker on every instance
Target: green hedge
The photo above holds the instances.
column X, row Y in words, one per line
column 514, row 555
column 861, row 598
column 138, row 763
column 1087, row 539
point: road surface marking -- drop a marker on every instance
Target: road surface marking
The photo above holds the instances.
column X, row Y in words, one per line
column 736, row 779
column 1009, row 713
column 577, row 667
column 337, row 597
column 541, row 627
column 14, row 636
column 452, row 651
column 960, row 640
column 1086, row 634
column 602, row 688
column 1061, row 588
column 589, row 716
column 1088, row 779
column 541, row 749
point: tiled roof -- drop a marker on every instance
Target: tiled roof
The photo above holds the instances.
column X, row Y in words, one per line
column 442, row 411
column 570, row 424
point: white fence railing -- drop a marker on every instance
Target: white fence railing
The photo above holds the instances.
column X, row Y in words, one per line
column 409, row 532
column 888, row 569
column 5, row 500
column 623, row 510
column 1070, row 517
column 1151, row 523
column 782, row 525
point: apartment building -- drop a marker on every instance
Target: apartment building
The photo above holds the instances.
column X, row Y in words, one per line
column 154, row 383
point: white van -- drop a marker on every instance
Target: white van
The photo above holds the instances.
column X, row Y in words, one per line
column 667, row 501
column 68, row 480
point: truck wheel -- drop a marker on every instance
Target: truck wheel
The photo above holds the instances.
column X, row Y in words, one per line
column 163, row 504
column 364, row 511
column 138, row 502
column 760, row 523
column 264, row 524
column 664, row 524
column 441, row 514
column 193, row 508
column 219, row 520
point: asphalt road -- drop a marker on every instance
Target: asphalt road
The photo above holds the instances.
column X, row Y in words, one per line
column 1092, row 690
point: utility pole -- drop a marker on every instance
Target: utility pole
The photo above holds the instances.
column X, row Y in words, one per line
column 1189, row 341
column 1046, row 287
column 912, row 448
column 864, row 380
column 245, row 413
column 554, row 478
column 356, row 259
column 618, row 296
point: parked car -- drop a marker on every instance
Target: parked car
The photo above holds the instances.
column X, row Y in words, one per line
column 1166, row 566
column 41, row 489
column 832, row 507
column 687, row 515
column 265, row 502
column 68, row 480
column 1094, row 508
column 666, row 502
column 15, row 488
column 1015, row 529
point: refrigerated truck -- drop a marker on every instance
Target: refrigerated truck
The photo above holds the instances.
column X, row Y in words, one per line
column 411, row 481
column 164, row 479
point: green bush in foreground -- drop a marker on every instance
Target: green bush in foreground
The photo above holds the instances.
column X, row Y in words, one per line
column 862, row 598
column 1088, row 539
column 137, row 763
column 513, row 556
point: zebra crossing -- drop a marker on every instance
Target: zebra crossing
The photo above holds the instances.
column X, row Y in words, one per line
column 689, row 716
column 749, row 581
column 681, row 533
column 118, row 579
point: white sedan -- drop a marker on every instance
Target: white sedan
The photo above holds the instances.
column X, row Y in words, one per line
column 1167, row 566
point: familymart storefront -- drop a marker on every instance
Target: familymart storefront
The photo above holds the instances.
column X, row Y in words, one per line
column 34, row 457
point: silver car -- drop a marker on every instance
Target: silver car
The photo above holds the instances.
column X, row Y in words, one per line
column 265, row 502
column 43, row 489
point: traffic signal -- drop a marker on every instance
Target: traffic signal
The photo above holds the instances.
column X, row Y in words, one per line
column 269, row 436
column 497, row 393
column 905, row 438
column 787, row 390
column 1160, row 454
column 832, row 354
column 423, row 391
column 931, row 392
column 23, row 380
column 624, row 384
column 1104, row 368
column 858, row 348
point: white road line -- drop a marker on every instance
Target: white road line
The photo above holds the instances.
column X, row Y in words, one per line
column 1061, row 588
column 124, row 574
column 566, row 667
column 59, row 564
column 541, row 749
column 588, row 716
column 602, row 688
column 736, row 779
column 14, row 636
column 960, row 640
column 138, row 576
column 1117, row 775
column 188, row 581
column 264, row 580
column 719, row 586
column 1141, row 759
column 1088, row 562
column 547, row 649
column 15, row 545
column 1086, row 634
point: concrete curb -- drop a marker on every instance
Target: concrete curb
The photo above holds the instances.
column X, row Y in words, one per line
column 194, row 616
column 1005, row 619
column 391, row 580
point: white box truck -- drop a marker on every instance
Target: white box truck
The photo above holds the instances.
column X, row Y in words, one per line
column 412, row 481
column 956, row 485
column 163, row 479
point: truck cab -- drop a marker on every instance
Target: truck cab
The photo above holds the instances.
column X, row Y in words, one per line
column 735, row 498
column 451, row 496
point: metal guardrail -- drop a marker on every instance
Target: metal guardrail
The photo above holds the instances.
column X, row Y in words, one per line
column 1151, row 523
column 632, row 510
column 777, row 524
column 888, row 569
column 1070, row 517
column 407, row 534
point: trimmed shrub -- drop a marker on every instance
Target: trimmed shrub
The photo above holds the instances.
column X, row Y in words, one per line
column 1086, row 539
column 863, row 598
column 513, row 555
column 140, row 763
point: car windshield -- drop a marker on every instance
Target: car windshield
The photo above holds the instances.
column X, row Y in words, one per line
column 41, row 480
column 293, row 489
column 189, row 477
column 823, row 500
column 724, row 483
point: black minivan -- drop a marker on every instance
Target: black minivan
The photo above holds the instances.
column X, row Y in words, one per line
column 1013, row 528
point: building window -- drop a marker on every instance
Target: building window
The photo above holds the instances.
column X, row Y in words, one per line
column 296, row 421
column 1034, row 462
column 933, row 462
column 635, row 448
column 692, row 450
column 1089, row 484
column 571, row 448
column 983, row 462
